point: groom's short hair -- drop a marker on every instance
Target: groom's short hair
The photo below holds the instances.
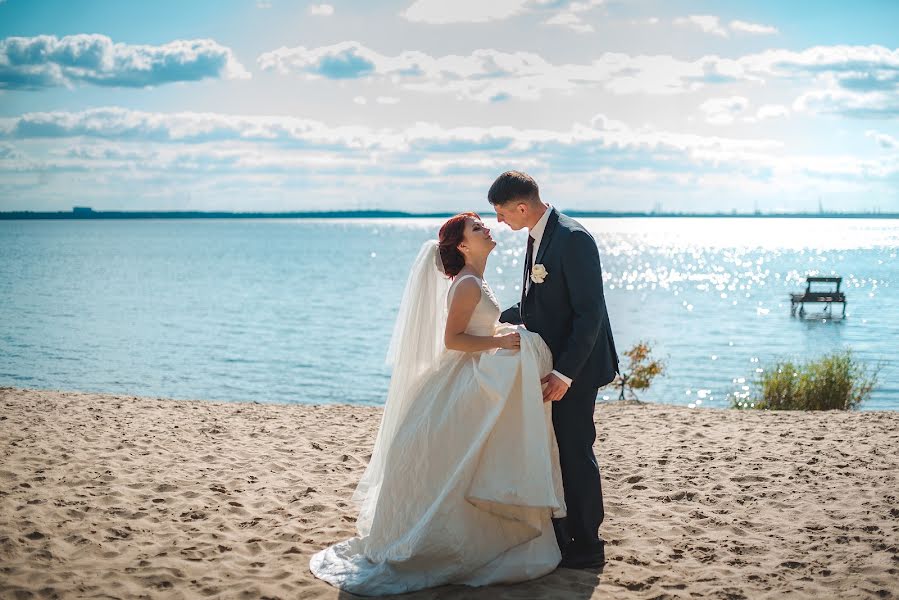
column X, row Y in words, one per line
column 513, row 185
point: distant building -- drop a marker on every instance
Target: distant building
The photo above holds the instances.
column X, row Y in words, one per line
column 81, row 210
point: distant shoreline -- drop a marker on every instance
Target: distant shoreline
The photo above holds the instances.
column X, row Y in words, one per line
column 386, row 214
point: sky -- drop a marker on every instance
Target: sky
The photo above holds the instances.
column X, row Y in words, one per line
column 417, row 105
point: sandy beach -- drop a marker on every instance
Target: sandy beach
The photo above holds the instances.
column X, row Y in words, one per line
column 118, row 496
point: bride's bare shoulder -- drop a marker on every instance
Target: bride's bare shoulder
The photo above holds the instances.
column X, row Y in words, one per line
column 466, row 288
column 466, row 284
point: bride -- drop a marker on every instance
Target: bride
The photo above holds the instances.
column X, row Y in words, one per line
column 464, row 478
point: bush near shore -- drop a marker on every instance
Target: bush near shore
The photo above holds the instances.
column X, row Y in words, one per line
column 836, row 381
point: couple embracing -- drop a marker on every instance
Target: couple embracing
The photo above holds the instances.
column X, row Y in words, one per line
column 483, row 470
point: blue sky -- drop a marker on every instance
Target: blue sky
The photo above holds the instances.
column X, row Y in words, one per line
column 418, row 104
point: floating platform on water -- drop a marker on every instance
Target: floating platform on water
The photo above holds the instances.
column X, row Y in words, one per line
column 828, row 297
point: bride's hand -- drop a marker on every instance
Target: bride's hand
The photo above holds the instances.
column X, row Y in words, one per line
column 510, row 341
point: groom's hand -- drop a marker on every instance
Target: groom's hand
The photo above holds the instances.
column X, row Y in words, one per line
column 553, row 388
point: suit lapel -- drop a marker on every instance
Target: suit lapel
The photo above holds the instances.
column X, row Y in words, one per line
column 547, row 234
column 544, row 242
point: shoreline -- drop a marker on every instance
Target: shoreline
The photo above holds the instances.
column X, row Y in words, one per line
column 126, row 495
column 612, row 401
column 86, row 213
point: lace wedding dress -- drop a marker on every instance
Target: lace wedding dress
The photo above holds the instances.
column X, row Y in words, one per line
column 464, row 481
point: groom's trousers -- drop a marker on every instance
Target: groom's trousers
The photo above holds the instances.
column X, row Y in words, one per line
column 575, row 434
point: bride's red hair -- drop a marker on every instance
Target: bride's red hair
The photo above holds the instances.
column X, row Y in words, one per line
column 451, row 235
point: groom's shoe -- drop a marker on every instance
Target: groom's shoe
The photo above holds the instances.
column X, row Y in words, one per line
column 580, row 556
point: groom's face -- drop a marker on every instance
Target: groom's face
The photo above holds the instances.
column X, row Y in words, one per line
column 513, row 213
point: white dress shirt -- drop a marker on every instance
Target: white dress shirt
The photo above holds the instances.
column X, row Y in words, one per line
column 536, row 232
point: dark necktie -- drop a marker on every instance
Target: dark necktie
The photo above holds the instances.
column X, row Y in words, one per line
column 528, row 259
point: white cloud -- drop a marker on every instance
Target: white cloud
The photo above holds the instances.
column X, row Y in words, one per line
column 713, row 25
column 584, row 5
column 705, row 23
column 263, row 4
column 723, row 111
column 883, row 140
column 138, row 154
column 387, row 100
column 871, row 105
column 440, row 165
column 321, row 10
column 755, row 28
column 663, row 74
column 440, row 12
column 8, row 151
column 770, row 111
column 571, row 21
column 201, row 157
column 360, row 100
column 491, row 75
column 855, row 81
column 114, row 123
column 857, row 67
column 483, row 75
column 47, row 61
column 570, row 16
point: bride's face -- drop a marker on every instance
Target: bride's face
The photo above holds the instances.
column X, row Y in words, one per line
column 476, row 240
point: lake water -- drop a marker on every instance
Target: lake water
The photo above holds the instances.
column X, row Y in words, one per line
column 302, row 310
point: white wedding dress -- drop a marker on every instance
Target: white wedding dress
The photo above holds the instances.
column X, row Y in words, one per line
column 462, row 488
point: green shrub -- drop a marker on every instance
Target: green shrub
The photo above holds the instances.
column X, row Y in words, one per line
column 640, row 371
column 836, row 381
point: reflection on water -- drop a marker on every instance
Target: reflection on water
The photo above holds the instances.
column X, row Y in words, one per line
column 301, row 311
column 715, row 296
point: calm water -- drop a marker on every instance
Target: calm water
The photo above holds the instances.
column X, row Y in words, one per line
column 301, row 311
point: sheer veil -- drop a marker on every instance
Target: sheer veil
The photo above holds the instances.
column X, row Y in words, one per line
column 415, row 349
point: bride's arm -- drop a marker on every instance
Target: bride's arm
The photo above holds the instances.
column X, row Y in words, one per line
column 465, row 299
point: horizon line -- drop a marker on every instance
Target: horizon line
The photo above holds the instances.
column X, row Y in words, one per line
column 85, row 212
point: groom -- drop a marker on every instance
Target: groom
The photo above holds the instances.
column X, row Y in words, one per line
column 562, row 300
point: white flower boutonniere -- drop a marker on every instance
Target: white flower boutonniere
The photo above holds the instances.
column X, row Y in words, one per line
column 538, row 273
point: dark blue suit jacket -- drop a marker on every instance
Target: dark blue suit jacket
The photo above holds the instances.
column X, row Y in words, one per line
column 568, row 309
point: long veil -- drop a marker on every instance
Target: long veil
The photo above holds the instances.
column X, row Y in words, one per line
column 415, row 348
